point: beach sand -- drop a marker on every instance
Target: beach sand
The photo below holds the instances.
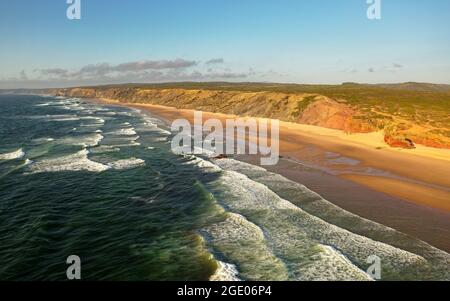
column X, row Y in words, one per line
column 408, row 190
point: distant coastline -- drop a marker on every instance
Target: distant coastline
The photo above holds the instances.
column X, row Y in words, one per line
column 326, row 122
column 337, row 120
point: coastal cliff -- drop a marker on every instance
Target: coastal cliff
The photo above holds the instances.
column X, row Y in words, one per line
column 305, row 108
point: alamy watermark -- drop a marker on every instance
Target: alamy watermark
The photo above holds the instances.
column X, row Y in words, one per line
column 374, row 9
column 74, row 270
column 242, row 136
column 73, row 11
column 374, row 270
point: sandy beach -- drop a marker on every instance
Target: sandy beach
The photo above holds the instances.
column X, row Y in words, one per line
column 213, row 141
column 405, row 189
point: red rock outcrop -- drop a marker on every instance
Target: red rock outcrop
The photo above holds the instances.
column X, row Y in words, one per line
column 399, row 142
column 328, row 113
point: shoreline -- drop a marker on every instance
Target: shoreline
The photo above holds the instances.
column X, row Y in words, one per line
column 403, row 189
column 425, row 169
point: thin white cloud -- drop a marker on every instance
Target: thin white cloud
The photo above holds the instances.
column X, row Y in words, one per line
column 149, row 71
column 215, row 61
column 53, row 72
column 105, row 68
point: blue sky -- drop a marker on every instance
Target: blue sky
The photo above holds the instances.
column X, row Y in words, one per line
column 303, row 41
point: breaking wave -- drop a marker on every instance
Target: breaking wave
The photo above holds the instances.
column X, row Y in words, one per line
column 13, row 155
column 225, row 272
column 104, row 149
column 127, row 164
column 81, row 162
column 125, row 132
column 75, row 162
column 269, row 237
column 90, row 140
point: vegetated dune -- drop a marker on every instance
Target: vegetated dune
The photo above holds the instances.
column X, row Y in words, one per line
column 407, row 117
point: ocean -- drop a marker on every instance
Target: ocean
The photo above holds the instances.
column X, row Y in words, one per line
column 99, row 181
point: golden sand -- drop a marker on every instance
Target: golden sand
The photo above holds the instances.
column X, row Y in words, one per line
column 421, row 175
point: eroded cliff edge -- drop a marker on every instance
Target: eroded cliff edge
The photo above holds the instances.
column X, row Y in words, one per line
column 305, row 108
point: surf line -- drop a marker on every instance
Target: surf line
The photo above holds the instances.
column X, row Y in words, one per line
column 242, row 136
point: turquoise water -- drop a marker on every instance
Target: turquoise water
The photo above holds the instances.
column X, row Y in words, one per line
column 100, row 182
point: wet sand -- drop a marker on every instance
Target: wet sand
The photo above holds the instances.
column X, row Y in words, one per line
column 408, row 190
column 428, row 224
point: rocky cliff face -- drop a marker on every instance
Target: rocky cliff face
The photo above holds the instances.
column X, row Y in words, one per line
column 311, row 109
column 302, row 108
column 328, row 113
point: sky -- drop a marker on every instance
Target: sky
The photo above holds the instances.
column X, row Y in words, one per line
column 289, row 41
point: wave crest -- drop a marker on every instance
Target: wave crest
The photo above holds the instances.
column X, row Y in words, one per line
column 13, row 155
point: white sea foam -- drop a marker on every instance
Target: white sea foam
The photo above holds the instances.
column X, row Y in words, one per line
column 126, row 132
column 46, row 104
column 163, row 131
column 13, row 155
column 80, row 161
column 127, row 164
column 109, row 113
column 225, row 272
column 62, row 118
column 74, row 162
column 104, row 149
column 67, row 119
column 243, row 242
column 132, row 144
column 125, row 138
column 74, row 107
column 53, row 103
column 205, row 152
column 151, row 125
column 155, row 129
column 311, row 248
column 40, row 141
column 129, row 114
column 331, row 265
column 256, row 196
column 160, row 139
column 91, row 125
column 89, row 140
column 238, row 166
column 314, row 204
column 88, row 112
column 97, row 120
column 94, row 141
column 205, row 165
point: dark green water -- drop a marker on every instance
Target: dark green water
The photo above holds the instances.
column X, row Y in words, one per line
column 136, row 223
column 101, row 182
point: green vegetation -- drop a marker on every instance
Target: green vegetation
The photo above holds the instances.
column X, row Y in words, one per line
column 302, row 105
column 414, row 101
column 417, row 110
